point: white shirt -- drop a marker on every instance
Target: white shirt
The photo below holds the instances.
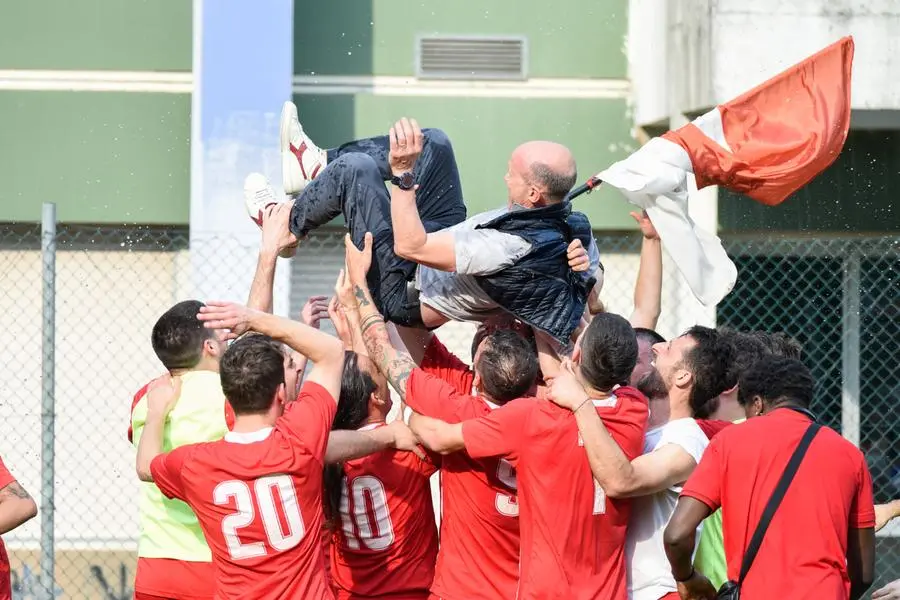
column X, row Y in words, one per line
column 649, row 573
column 457, row 295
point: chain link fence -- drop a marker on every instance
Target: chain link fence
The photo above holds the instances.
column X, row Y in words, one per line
column 840, row 297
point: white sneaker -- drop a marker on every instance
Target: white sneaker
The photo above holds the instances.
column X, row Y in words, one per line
column 301, row 159
column 258, row 196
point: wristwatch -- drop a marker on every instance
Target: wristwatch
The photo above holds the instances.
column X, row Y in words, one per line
column 405, row 181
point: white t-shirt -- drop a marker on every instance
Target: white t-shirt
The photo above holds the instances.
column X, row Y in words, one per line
column 649, row 573
column 457, row 295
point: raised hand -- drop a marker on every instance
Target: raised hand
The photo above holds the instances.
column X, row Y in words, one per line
column 406, row 145
column 358, row 261
column 236, row 318
column 647, row 228
column 315, row 309
column 276, row 231
column 162, row 395
column 565, row 389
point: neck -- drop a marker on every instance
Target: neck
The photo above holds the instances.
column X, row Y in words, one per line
column 251, row 423
column 666, row 409
column 729, row 409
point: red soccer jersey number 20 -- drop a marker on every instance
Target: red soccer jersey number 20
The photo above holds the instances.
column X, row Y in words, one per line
column 276, row 500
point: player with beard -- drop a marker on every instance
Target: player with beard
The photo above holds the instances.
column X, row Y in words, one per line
column 687, row 373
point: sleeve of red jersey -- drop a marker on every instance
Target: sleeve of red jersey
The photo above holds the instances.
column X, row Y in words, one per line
column 167, row 469
column 500, row 433
column 431, row 396
column 6, row 477
column 309, row 418
column 443, row 364
column 705, row 483
column 862, row 512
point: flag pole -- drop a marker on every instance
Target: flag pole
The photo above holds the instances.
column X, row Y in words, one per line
column 585, row 188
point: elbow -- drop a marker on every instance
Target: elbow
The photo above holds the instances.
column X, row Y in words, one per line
column 29, row 510
column 143, row 473
column 404, row 251
column 675, row 537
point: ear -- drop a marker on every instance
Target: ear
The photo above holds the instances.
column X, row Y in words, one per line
column 759, row 407
column 281, row 395
column 210, row 347
column 476, row 382
column 683, row 378
column 576, row 356
column 376, row 400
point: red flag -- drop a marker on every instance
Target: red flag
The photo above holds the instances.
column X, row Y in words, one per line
column 779, row 135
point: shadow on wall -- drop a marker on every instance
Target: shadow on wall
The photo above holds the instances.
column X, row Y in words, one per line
column 328, row 43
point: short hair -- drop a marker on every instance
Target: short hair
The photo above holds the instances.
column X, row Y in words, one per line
column 484, row 330
column 649, row 335
column 776, row 379
column 251, row 371
column 780, row 344
column 609, row 352
column 507, row 366
column 556, row 183
column 747, row 350
column 352, row 413
column 178, row 336
column 708, row 361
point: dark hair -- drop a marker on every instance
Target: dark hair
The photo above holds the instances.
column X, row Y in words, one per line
column 779, row 344
column 352, row 412
column 251, row 371
column 747, row 350
column 777, row 379
column 708, row 361
column 648, row 335
column 556, row 183
column 609, row 352
column 508, row 366
column 178, row 336
column 507, row 322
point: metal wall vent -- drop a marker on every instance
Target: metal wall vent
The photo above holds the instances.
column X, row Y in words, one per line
column 470, row 57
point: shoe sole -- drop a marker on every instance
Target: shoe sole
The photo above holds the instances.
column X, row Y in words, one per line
column 292, row 182
column 254, row 210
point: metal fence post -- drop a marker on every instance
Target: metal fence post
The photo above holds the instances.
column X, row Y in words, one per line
column 48, row 362
column 850, row 384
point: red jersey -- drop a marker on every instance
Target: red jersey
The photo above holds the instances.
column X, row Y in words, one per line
column 6, row 478
column 804, row 554
column 479, row 552
column 573, row 537
column 712, row 428
column 258, row 497
column 386, row 544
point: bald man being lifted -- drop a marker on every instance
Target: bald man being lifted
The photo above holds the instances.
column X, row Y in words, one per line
column 431, row 264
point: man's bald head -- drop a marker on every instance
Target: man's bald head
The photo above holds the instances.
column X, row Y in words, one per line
column 547, row 166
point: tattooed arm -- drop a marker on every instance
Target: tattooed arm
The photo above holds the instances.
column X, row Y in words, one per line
column 396, row 365
column 16, row 506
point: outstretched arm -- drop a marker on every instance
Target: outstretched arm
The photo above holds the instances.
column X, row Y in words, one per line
column 326, row 351
column 396, row 365
column 276, row 236
column 411, row 241
column 648, row 287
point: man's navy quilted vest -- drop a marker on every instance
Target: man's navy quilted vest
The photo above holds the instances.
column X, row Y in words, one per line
column 540, row 289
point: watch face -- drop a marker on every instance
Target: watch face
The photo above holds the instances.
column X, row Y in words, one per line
column 406, row 181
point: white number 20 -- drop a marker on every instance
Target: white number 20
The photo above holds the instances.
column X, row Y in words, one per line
column 244, row 515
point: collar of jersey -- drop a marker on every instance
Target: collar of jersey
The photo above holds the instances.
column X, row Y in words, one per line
column 248, row 437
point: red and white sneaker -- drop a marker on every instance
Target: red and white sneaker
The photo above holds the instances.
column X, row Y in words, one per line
column 258, row 196
column 301, row 159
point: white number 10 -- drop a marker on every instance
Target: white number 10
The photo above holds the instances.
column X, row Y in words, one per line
column 244, row 515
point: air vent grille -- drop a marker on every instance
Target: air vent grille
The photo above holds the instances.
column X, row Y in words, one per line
column 471, row 58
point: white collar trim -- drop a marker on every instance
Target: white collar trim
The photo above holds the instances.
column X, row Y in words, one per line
column 248, row 437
